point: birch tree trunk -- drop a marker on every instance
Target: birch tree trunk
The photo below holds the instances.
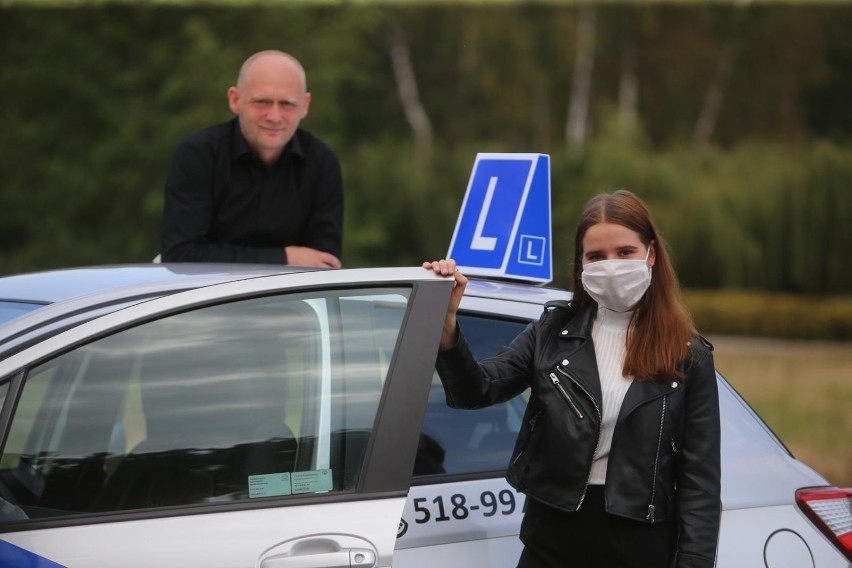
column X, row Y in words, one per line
column 714, row 99
column 577, row 124
column 409, row 95
column 628, row 80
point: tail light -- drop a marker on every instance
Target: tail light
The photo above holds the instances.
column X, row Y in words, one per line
column 830, row 510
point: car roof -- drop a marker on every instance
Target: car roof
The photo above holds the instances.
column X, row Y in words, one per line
column 83, row 288
column 51, row 286
column 504, row 290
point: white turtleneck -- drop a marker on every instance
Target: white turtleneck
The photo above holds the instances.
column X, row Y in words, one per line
column 609, row 333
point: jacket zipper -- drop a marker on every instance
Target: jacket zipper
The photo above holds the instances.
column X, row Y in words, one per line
column 651, row 507
column 533, row 421
column 555, row 380
column 597, row 440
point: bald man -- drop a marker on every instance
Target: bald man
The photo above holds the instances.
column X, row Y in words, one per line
column 258, row 188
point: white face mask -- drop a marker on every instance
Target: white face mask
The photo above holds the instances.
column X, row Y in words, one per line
column 617, row 284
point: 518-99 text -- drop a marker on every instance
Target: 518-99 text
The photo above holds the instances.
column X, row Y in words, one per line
column 489, row 504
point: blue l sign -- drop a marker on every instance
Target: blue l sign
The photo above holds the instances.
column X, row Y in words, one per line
column 503, row 228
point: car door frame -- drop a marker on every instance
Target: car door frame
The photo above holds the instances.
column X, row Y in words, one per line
column 386, row 474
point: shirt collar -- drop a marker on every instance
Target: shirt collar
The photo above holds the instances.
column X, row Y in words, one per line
column 240, row 148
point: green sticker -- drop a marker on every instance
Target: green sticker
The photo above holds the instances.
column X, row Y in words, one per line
column 269, row 485
column 311, row 481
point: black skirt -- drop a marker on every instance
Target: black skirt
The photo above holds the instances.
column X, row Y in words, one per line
column 592, row 538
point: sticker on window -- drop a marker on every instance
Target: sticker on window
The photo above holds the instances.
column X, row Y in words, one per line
column 277, row 484
column 311, row 481
column 269, row 485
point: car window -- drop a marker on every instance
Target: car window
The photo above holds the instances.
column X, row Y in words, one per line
column 457, row 441
column 10, row 310
column 264, row 397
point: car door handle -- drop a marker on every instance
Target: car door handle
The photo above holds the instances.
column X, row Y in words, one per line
column 321, row 553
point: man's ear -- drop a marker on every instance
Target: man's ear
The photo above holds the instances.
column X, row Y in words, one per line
column 234, row 99
column 306, row 103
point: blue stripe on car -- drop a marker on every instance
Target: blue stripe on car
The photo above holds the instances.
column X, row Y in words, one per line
column 12, row 556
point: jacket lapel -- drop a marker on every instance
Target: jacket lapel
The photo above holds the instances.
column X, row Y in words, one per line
column 575, row 338
column 640, row 392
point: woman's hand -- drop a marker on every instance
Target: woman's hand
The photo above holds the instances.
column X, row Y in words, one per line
column 447, row 267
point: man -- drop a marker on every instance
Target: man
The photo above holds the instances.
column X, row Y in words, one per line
column 257, row 188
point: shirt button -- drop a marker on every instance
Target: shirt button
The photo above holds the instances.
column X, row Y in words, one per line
column 565, row 362
column 564, row 332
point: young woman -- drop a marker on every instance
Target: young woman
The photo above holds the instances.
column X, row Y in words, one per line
column 618, row 452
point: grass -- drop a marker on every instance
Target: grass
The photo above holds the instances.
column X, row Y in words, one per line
column 803, row 390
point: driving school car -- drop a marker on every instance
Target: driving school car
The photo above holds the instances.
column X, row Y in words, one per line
column 236, row 416
column 230, row 416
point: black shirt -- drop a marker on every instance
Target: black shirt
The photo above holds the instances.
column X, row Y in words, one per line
column 222, row 204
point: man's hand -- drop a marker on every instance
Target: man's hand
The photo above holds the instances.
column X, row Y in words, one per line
column 447, row 267
column 306, row 256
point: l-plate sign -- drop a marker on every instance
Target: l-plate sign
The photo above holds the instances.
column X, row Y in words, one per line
column 503, row 228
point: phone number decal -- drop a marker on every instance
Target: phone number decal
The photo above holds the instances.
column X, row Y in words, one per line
column 457, row 506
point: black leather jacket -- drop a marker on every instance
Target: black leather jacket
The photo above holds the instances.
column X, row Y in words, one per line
column 664, row 461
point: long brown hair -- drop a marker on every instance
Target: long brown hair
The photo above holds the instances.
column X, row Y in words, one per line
column 661, row 327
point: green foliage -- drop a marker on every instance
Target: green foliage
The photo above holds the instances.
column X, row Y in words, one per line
column 89, row 134
column 97, row 97
column 760, row 215
column 402, row 215
column 795, row 316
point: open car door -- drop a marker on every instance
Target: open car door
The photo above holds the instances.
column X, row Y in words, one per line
column 269, row 422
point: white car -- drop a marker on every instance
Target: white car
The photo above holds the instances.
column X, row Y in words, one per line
column 240, row 416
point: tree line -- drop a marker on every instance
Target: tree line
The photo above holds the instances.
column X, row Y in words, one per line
column 732, row 121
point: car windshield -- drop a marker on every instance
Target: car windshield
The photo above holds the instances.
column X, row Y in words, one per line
column 10, row 310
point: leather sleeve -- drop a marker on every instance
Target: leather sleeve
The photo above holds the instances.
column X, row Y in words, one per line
column 699, row 474
column 469, row 384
